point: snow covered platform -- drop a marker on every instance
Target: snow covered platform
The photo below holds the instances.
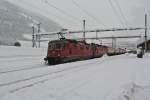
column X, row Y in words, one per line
column 24, row 76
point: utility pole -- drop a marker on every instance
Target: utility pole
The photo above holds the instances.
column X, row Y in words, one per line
column 96, row 35
column 39, row 26
column 33, row 37
column 145, row 32
column 83, row 30
column 114, row 43
column 101, row 42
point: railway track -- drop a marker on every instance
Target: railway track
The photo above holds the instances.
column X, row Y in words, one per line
column 43, row 75
column 23, row 69
column 19, row 56
column 72, row 69
column 23, row 83
column 17, row 60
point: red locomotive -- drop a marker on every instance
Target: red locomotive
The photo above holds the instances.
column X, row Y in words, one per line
column 68, row 50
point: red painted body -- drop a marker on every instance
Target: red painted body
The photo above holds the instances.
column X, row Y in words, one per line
column 66, row 50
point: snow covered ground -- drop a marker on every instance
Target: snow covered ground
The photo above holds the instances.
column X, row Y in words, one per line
column 24, row 76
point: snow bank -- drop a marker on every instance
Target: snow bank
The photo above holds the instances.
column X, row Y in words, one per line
column 123, row 77
column 131, row 91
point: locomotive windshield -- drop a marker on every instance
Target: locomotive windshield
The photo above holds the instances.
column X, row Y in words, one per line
column 56, row 45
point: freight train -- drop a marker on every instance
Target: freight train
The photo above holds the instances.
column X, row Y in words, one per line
column 68, row 50
column 111, row 51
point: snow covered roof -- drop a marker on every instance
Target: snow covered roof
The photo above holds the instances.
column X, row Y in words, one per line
column 142, row 40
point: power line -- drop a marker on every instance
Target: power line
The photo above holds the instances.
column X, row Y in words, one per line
column 121, row 12
column 47, row 11
column 87, row 13
column 115, row 12
column 62, row 11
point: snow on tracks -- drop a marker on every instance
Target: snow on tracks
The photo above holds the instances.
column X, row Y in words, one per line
column 41, row 75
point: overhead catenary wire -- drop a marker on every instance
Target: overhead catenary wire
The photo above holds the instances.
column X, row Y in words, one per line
column 88, row 13
column 62, row 11
column 66, row 13
column 51, row 13
column 116, row 12
column 121, row 12
column 74, row 19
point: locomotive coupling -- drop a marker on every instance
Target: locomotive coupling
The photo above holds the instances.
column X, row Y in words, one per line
column 45, row 59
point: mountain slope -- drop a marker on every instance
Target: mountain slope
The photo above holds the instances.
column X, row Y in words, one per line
column 15, row 22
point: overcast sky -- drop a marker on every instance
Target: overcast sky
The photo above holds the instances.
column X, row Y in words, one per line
column 101, row 12
column 97, row 13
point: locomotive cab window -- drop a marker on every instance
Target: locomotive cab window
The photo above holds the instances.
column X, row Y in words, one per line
column 54, row 46
column 58, row 46
column 51, row 46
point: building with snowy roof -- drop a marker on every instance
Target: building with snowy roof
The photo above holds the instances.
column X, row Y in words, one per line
column 142, row 44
